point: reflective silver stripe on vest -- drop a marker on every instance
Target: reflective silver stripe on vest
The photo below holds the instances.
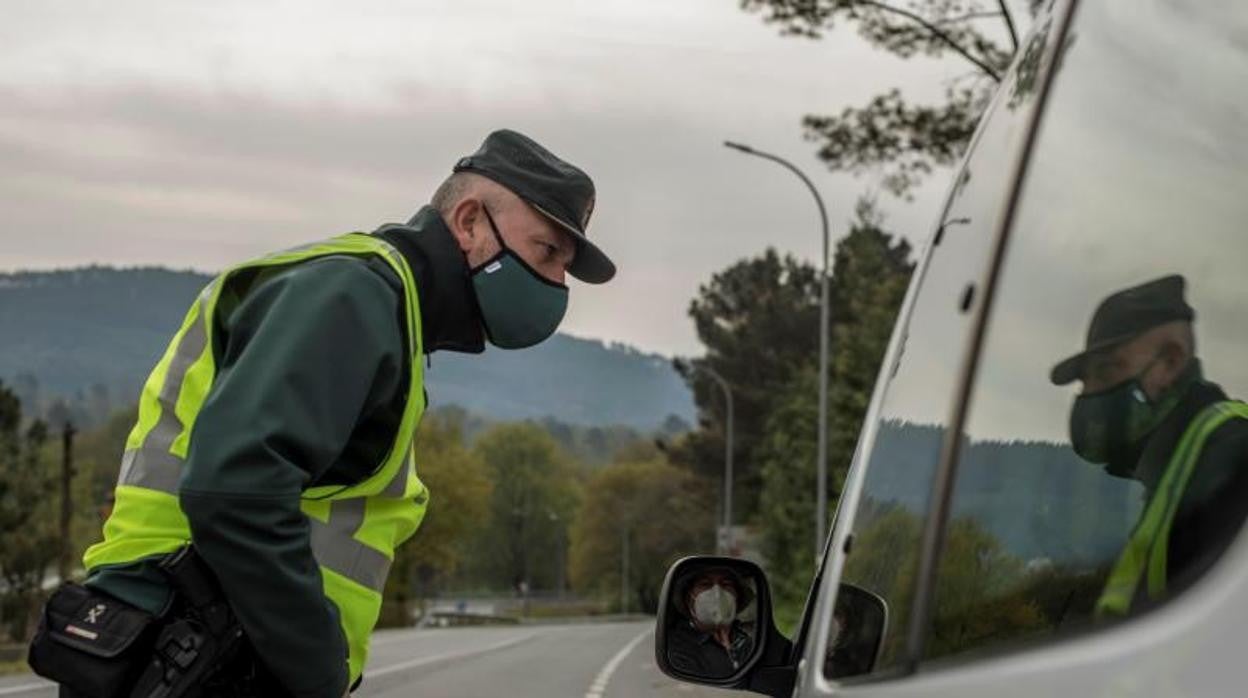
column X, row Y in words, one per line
column 152, row 465
column 398, row 484
column 336, row 549
column 160, row 471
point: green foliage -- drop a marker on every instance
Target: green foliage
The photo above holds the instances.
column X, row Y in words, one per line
column 972, row 600
column 26, row 526
column 661, row 512
column 912, row 139
column 460, row 490
column 905, row 139
column 599, row 445
column 759, row 321
column 97, row 461
column 535, row 495
column 870, row 273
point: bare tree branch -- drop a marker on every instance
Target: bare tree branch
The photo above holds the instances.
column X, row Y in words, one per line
column 1009, row 23
column 936, row 32
column 966, row 17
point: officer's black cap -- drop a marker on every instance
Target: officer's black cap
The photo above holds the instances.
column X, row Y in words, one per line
column 1126, row 315
column 558, row 190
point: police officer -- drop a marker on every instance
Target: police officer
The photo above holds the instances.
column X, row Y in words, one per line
column 1147, row 413
column 275, row 433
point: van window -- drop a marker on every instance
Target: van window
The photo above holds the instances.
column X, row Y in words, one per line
column 1102, row 470
column 891, row 515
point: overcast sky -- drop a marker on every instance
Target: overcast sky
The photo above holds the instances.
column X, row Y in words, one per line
column 197, row 135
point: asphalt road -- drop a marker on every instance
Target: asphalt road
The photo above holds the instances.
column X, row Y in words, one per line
column 595, row 660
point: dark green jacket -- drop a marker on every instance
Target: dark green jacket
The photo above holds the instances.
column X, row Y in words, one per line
column 1215, row 502
column 313, row 360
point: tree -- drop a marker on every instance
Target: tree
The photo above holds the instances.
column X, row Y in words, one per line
column 759, row 322
column 661, row 512
column 907, row 140
column 97, row 460
column 459, row 501
column 535, row 495
column 26, row 530
column 871, row 271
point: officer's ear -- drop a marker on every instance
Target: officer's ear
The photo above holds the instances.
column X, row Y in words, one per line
column 465, row 220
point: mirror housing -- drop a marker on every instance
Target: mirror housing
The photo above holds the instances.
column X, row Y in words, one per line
column 746, row 653
column 861, row 619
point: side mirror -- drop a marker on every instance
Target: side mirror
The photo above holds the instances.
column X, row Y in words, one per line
column 715, row 627
column 861, row 619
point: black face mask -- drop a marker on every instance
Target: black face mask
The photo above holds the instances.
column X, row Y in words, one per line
column 1109, row 426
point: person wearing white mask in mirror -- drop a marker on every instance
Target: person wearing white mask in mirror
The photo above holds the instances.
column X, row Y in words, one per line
column 709, row 639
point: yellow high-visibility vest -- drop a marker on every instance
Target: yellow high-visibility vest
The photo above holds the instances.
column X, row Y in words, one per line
column 1146, row 550
column 355, row 528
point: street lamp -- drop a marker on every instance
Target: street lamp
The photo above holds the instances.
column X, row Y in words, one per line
column 821, row 464
column 727, row 390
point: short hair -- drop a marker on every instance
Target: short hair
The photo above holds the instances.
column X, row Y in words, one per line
column 461, row 184
column 450, row 192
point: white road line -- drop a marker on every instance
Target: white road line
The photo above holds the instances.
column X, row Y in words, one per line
column 599, row 686
column 412, row 664
column 46, row 685
column 12, row 690
column 407, row 635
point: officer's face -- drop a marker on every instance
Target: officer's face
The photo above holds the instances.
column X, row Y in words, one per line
column 708, row 580
column 1154, row 357
column 542, row 245
column 1111, row 367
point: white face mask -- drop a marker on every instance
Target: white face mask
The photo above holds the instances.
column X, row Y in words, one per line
column 715, row 606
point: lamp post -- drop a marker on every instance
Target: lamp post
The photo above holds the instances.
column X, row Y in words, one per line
column 821, row 464
column 624, row 591
column 727, row 390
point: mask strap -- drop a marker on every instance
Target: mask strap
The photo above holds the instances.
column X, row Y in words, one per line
column 497, row 236
column 504, row 250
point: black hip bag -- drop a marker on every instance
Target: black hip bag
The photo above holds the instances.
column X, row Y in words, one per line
column 102, row 647
column 91, row 642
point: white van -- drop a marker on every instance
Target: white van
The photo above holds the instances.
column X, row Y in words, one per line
column 1049, row 482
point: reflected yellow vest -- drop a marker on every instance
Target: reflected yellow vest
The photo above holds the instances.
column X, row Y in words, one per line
column 1144, row 557
column 355, row 529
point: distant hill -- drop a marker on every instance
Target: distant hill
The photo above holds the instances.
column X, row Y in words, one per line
column 1029, row 494
column 91, row 334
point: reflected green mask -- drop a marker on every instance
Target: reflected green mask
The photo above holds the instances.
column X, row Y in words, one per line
column 1108, row 426
column 519, row 307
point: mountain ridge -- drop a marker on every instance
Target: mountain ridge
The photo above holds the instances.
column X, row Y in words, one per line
column 92, row 333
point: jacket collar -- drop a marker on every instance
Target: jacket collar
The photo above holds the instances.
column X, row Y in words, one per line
column 1165, row 439
column 449, row 316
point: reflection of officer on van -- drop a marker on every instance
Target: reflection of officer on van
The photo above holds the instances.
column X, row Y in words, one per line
column 708, row 638
column 1147, row 413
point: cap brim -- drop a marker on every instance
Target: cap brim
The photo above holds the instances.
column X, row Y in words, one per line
column 590, row 264
column 1071, row 369
column 1068, row 370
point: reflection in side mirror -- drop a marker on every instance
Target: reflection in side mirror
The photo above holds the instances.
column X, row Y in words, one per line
column 861, row 620
column 715, row 626
column 712, row 634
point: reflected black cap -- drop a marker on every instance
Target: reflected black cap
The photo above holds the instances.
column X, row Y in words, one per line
column 558, row 190
column 1125, row 315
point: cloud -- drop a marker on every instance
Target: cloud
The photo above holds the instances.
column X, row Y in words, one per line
column 194, row 137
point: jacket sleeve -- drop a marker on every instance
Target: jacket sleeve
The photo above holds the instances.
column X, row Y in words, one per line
column 302, row 359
